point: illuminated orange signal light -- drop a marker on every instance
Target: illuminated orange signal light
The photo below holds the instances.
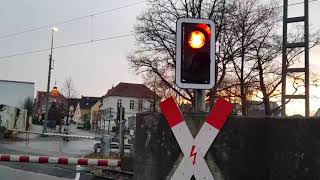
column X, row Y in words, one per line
column 196, row 39
column 206, row 28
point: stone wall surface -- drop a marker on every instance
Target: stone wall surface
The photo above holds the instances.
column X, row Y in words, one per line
column 245, row 149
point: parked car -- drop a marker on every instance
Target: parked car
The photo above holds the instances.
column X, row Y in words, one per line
column 37, row 120
column 83, row 125
column 80, row 124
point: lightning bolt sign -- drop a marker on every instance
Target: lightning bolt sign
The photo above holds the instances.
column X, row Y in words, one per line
column 194, row 150
column 193, row 154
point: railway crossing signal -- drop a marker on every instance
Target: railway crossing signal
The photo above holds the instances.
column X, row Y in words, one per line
column 195, row 53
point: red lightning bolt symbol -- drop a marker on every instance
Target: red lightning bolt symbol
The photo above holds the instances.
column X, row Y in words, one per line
column 193, row 154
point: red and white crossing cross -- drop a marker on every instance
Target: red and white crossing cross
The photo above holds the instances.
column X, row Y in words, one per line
column 194, row 150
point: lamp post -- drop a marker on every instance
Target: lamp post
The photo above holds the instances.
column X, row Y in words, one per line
column 54, row 29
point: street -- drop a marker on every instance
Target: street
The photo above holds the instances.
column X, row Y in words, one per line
column 38, row 171
column 10, row 173
column 52, row 146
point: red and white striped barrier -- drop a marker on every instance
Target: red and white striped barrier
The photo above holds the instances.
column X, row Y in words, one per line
column 58, row 135
column 60, row 160
column 194, row 150
column 70, row 136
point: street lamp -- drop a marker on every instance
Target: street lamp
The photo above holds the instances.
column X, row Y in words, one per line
column 54, row 29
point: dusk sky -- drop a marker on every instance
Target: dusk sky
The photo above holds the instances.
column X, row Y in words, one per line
column 94, row 67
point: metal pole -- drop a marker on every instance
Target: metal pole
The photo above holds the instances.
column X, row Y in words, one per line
column 284, row 58
column 306, row 59
column 109, row 120
column 48, row 88
column 200, row 105
column 109, row 126
column 121, row 136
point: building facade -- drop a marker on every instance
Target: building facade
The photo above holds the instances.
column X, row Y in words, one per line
column 83, row 109
column 14, row 93
column 95, row 113
column 41, row 101
column 135, row 98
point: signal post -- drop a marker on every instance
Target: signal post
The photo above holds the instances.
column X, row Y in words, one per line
column 195, row 70
column 195, row 57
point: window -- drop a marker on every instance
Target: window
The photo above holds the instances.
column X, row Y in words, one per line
column 140, row 105
column 151, row 105
column 119, row 103
column 132, row 104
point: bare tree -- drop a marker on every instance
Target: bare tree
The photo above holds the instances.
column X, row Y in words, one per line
column 246, row 24
column 68, row 89
column 267, row 53
column 153, row 82
column 258, row 66
column 155, row 36
column 248, row 46
column 69, row 92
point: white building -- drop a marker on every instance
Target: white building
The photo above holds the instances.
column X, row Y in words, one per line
column 134, row 98
column 13, row 93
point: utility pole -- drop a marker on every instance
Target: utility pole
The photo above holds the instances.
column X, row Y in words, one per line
column 48, row 85
column 121, row 131
column 109, row 119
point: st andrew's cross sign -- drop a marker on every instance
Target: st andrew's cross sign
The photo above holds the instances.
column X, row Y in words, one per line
column 194, row 150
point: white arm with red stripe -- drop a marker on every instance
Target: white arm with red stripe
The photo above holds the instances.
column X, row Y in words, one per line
column 203, row 140
column 60, row 160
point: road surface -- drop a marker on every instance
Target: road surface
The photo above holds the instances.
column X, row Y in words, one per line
column 45, row 146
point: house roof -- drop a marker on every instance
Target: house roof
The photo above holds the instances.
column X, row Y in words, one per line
column 257, row 109
column 23, row 82
column 317, row 114
column 132, row 90
column 73, row 101
column 255, row 103
column 87, row 102
column 43, row 93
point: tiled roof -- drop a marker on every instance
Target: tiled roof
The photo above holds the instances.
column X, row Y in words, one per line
column 43, row 93
column 132, row 90
column 88, row 102
column 73, row 101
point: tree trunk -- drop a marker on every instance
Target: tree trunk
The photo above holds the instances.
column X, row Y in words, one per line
column 244, row 102
column 243, row 96
column 266, row 100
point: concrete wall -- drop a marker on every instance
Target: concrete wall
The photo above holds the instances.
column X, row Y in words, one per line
column 14, row 93
column 246, row 148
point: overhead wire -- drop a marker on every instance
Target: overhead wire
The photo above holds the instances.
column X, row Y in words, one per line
column 90, row 41
column 94, row 14
column 65, row 46
column 69, row 20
